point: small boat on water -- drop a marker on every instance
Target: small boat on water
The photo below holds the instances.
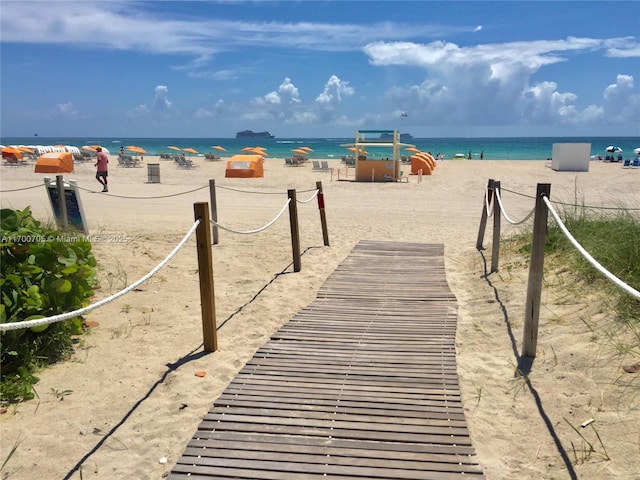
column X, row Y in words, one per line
column 459, row 156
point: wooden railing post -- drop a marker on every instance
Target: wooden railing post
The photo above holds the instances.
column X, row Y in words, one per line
column 536, row 268
column 323, row 216
column 486, row 203
column 205, row 272
column 497, row 216
column 295, row 233
column 214, row 210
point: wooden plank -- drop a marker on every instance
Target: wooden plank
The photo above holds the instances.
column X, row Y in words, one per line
column 359, row 384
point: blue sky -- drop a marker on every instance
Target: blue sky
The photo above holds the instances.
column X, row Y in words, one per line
column 319, row 68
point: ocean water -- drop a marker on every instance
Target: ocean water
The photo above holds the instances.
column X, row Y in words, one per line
column 511, row 148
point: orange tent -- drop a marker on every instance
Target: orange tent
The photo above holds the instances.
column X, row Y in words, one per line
column 429, row 158
column 245, row 166
column 420, row 163
column 55, row 162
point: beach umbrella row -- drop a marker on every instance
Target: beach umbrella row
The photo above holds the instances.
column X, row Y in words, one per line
column 40, row 149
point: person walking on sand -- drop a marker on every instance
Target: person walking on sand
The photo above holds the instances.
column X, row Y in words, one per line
column 102, row 171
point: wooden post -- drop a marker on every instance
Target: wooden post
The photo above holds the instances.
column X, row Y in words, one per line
column 62, row 201
column 483, row 218
column 214, row 210
column 323, row 216
column 536, row 268
column 497, row 216
column 295, row 233
column 205, row 272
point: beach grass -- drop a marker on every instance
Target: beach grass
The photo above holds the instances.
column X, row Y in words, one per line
column 611, row 237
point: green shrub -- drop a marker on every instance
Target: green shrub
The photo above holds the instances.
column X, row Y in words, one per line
column 43, row 273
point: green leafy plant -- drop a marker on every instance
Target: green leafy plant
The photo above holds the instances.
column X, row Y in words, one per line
column 44, row 273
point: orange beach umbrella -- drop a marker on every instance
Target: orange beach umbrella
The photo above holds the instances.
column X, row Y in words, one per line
column 361, row 151
column 8, row 152
column 413, row 149
column 173, row 147
column 308, row 149
column 218, row 147
column 190, row 150
column 300, row 151
column 137, row 149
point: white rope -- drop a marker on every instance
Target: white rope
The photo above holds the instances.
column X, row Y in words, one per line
column 315, row 193
column 504, row 213
column 585, row 254
column 488, row 205
column 65, row 316
column 248, row 232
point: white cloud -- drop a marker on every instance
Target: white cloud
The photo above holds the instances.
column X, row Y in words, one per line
column 287, row 93
column 160, row 106
column 621, row 103
column 334, row 91
column 66, row 109
column 491, row 84
column 161, row 102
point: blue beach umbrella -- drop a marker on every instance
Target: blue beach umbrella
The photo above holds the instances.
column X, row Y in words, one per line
column 613, row 149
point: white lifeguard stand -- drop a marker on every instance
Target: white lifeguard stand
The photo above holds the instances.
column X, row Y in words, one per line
column 377, row 169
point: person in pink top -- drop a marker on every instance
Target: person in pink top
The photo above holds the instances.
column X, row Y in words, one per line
column 102, row 171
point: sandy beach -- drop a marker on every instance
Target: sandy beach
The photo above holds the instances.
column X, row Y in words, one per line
column 126, row 404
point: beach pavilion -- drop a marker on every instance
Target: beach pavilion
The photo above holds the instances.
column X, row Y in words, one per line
column 385, row 169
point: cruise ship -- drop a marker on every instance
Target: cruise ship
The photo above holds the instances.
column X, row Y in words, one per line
column 252, row 134
column 389, row 136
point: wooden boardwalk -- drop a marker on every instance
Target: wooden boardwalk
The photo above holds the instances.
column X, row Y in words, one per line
column 361, row 384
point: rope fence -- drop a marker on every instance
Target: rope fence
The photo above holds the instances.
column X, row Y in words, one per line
column 21, row 189
column 257, row 230
column 205, row 269
column 540, row 211
column 314, row 195
column 66, row 316
column 504, row 213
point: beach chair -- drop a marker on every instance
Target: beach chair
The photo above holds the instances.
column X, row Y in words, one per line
column 288, row 162
column 635, row 163
column 132, row 161
column 187, row 163
column 324, row 166
column 316, row 165
column 627, row 163
column 13, row 161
